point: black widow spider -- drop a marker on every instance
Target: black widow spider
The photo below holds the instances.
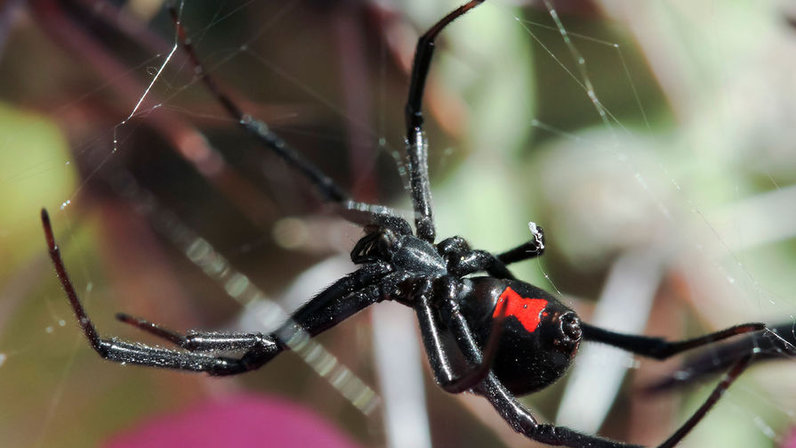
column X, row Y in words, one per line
column 493, row 335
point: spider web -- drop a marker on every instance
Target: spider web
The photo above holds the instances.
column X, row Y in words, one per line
column 652, row 142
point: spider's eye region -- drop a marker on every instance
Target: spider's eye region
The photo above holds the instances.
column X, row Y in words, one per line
column 529, row 311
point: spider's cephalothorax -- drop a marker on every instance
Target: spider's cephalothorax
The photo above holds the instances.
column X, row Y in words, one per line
column 491, row 334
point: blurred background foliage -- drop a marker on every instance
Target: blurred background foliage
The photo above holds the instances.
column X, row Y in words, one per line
column 683, row 153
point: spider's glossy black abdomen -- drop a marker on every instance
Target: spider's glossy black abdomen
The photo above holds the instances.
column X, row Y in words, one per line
column 540, row 335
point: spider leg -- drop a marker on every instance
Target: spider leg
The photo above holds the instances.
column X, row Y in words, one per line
column 342, row 300
column 525, row 251
column 777, row 343
column 133, row 353
column 659, row 348
column 125, row 352
column 462, row 260
column 200, row 341
column 152, row 328
column 733, row 374
column 357, row 212
column 416, row 142
column 338, row 302
column 445, row 373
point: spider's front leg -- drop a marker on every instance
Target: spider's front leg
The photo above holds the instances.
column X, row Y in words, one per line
column 335, row 304
column 135, row 353
column 257, row 348
column 463, row 260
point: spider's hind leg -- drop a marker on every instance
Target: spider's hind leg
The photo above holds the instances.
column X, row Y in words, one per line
column 657, row 348
column 336, row 303
column 776, row 343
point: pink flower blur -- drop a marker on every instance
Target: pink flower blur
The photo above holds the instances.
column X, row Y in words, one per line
column 239, row 421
